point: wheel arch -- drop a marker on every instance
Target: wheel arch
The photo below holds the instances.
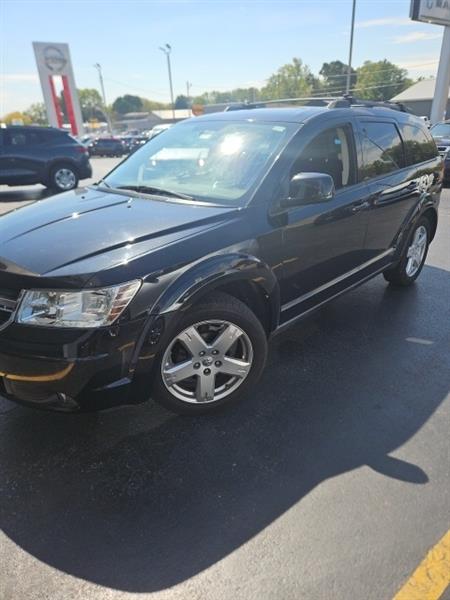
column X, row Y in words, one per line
column 244, row 277
column 431, row 214
column 60, row 162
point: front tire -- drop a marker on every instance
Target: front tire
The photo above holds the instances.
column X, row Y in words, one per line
column 63, row 178
column 211, row 357
column 414, row 256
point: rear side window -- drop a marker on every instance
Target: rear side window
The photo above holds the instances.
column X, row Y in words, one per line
column 48, row 136
column 419, row 145
column 20, row 137
column 382, row 149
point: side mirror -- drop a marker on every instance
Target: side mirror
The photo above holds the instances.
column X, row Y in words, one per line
column 309, row 188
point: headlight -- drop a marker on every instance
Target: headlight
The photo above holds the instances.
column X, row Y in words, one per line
column 86, row 308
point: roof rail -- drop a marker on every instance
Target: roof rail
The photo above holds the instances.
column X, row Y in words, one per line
column 345, row 101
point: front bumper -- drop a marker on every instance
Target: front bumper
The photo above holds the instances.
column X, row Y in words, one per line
column 96, row 370
column 85, row 170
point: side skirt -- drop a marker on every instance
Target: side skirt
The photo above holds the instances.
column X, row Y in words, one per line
column 314, row 301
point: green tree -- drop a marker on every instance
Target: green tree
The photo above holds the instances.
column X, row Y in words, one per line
column 181, row 101
column 334, row 75
column 91, row 104
column 292, row 80
column 16, row 116
column 37, row 114
column 126, row 104
column 381, row 80
column 149, row 105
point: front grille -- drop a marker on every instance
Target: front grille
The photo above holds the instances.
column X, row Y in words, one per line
column 443, row 150
column 8, row 304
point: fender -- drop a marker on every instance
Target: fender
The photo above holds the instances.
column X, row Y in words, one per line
column 424, row 205
column 215, row 272
column 57, row 161
column 204, row 277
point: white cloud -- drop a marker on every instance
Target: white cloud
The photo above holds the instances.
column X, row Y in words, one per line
column 395, row 21
column 416, row 36
column 19, row 77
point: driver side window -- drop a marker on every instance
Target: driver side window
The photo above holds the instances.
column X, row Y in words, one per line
column 330, row 152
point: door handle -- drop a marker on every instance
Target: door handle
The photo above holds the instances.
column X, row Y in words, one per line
column 361, row 206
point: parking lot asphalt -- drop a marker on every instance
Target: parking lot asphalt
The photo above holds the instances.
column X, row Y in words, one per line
column 331, row 481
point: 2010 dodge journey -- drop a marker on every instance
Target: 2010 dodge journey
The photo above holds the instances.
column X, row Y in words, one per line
column 168, row 277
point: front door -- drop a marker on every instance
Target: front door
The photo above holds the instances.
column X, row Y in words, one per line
column 324, row 242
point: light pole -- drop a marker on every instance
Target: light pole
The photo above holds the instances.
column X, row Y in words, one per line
column 167, row 49
column 188, row 95
column 98, row 66
column 352, row 31
column 439, row 107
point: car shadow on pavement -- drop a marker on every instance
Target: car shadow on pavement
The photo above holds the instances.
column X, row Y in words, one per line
column 139, row 500
column 24, row 195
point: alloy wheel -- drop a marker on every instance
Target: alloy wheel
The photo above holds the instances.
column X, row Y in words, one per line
column 65, row 179
column 416, row 251
column 207, row 361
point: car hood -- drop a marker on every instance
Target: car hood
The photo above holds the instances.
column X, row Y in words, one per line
column 88, row 230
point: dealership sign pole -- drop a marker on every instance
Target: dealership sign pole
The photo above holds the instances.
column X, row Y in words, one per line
column 53, row 60
column 437, row 12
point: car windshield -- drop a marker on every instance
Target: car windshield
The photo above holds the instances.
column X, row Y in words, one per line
column 441, row 130
column 213, row 161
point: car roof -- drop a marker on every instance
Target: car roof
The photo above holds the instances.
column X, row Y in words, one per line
column 302, row 114
column 36, row 128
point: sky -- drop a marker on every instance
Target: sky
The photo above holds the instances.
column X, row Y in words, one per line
column 216, row 44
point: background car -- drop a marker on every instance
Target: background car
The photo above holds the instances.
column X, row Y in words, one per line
column 127, row 142
column 30, row 155
column 157, row 129
column 137, row 142
column 441, row 135
column 107, row 146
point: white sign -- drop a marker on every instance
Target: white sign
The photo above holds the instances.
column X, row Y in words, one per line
column 431, row 11
column 53, row 61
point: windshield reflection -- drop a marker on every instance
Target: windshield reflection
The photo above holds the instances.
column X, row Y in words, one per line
column 215, row 161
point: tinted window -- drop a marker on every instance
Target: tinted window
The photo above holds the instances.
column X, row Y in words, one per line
column 22, row 137
column 331, row 152
column 50, row 136
column 419, row 145
column 382, row 149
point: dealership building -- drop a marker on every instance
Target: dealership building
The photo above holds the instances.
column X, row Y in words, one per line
column 419, row 98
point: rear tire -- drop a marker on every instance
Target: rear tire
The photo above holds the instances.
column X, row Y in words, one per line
column 210, row 358
column 414, row 256
column 63, row 178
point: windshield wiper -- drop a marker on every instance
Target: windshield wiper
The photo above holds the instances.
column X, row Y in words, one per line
column 144, row 189
column 101, row 182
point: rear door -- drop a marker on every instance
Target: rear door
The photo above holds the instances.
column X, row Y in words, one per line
column 22, row 160
column 395, row 169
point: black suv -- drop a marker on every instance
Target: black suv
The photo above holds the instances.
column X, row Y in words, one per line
column 44, row 155
column 169, row 276
column 107, row 147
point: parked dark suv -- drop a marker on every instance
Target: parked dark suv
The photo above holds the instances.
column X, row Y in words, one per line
column 169, row 276
column 42, row 155
column 107, row 147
